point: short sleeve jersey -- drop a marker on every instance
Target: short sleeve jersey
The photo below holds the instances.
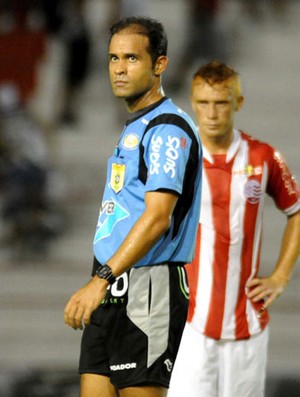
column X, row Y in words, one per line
column 230, row 232
column 159, row 150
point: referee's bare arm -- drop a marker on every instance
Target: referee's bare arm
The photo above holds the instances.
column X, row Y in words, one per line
column 153, row 223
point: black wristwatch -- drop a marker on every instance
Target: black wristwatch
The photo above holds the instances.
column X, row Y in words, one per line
column 105, row 272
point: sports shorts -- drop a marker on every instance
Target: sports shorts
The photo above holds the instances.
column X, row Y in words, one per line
column 207, row 367
column 134, row 335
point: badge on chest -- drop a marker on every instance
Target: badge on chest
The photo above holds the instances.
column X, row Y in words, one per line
column 117, row 177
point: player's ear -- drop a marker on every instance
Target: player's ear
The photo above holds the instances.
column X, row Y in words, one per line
column 161, row 65
column 239, row 103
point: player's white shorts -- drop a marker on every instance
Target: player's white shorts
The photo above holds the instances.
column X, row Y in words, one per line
column 207, row 367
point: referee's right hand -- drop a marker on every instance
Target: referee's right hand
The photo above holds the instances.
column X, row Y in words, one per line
column 81, row 305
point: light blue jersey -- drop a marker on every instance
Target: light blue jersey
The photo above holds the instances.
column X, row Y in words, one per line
column 158, row 150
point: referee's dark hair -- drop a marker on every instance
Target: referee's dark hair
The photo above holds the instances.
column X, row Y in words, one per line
column 154, row 30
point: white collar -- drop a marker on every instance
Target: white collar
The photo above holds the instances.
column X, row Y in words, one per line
column 233, row 148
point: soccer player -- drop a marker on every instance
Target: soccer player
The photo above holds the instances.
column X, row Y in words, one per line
column 134, row 308
column 223, row 350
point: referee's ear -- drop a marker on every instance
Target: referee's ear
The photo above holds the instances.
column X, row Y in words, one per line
column 160, row 65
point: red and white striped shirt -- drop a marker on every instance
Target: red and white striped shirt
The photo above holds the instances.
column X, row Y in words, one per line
column 229, row 236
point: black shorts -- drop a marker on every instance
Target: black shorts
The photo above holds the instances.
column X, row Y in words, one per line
column 134, row 335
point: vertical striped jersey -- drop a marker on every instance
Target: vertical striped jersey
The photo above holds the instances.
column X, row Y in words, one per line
column 229, row 235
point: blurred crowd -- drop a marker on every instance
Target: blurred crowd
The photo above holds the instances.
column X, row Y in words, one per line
column 29, row 209
column 31, row 212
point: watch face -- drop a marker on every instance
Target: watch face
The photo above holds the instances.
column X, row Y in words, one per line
column 105, row 273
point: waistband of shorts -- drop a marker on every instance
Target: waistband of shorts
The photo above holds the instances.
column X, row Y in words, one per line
column 96, row 264
column 162, row 264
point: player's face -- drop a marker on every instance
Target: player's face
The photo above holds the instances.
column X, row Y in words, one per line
column 130, row 65
column 214, row 107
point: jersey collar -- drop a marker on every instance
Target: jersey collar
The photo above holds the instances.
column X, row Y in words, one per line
column 233, row 148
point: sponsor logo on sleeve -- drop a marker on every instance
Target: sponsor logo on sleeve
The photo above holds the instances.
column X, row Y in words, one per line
column 156, row 144
column 170, row 151
column 172, row 145
column 289, row 181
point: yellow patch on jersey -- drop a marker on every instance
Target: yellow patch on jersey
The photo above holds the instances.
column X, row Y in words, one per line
column 117, row 177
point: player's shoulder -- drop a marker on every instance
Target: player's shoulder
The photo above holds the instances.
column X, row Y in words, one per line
column 257, row 144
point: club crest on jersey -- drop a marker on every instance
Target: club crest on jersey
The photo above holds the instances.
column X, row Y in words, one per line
column 117, row 177
column 130, row 141
column 252, row 191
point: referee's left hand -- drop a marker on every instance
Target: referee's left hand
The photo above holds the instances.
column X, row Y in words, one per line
column 81, row 305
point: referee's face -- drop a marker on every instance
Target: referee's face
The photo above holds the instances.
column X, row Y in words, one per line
column 131, row 70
